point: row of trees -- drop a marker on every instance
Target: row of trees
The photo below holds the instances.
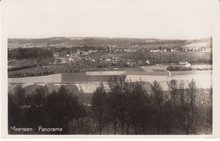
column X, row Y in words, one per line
column 120, row 108
column 29, row 53
column 171, row 57
column 130, row 108
column 42, row 108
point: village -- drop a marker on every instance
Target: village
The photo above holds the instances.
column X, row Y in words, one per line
column 111, row 76
column 112, row 54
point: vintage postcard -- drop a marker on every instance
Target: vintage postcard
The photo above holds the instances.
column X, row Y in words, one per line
column 109, row 68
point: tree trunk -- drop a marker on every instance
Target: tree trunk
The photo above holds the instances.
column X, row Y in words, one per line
column 143, row 129
column 100, row 127
column 158, row 130
column 107, row 129
column 100, row 130
column 135, row 129
column 127, row 130
column 122, row 127
column 115, row 127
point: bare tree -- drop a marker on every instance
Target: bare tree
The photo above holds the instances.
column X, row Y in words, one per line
column 157, row 106
column 186, row 113
column 118, row 102
column 36, row 101
column 20, row 96
column 138, row 107
column 62, row 107
column 99, row 106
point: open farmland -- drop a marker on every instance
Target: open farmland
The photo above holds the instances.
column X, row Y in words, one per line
column 203, row 77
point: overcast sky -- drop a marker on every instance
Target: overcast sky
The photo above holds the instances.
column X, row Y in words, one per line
column 109, row 18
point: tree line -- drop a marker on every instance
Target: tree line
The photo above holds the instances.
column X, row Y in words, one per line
column 42, row 108
column 171, row 57
column 120, row 108
column 29, row 53
column 130, row 109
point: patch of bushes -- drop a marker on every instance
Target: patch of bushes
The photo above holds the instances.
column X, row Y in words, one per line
column 178, row 68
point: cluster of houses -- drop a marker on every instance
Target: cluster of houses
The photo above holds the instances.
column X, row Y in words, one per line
column 89, row 54
column 179, row 49
column 194, row 46
column 73, row 57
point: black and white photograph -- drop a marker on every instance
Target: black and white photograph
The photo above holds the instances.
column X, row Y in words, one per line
column 109, row 67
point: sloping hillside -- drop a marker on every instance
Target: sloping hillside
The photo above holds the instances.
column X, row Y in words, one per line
column 87, row 41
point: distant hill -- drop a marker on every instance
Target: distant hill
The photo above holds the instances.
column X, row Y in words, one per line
column 90, row 41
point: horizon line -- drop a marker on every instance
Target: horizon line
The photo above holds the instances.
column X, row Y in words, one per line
column 148, row 38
